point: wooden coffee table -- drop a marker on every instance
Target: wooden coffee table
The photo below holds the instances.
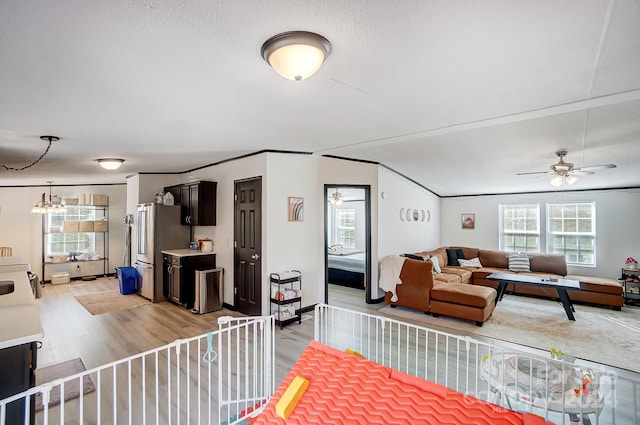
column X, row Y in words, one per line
column 560, row 285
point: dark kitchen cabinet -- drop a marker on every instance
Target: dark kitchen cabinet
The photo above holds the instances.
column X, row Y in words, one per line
column 180, row 276
column 198, row 201
column 17, row 374
column 176, row 191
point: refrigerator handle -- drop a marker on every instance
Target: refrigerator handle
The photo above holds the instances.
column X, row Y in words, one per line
column 142, row 232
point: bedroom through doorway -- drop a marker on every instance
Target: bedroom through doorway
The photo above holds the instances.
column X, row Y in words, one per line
column 347, row 240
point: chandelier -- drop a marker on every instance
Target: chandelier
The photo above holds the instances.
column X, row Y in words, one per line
column 44, row 206
column 336, row 198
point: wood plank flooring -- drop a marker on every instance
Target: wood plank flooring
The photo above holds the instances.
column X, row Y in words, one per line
column 70, row 331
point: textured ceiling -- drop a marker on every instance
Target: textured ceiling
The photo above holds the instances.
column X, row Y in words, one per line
column 457, row 95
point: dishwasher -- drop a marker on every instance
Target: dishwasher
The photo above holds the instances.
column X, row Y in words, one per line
column 208, row 290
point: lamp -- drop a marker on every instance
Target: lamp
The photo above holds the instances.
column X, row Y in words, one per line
column 110, row 163
column 44, row 206
column 296, row 55
column 50, row 139
column 336, row 198
column 556, row 180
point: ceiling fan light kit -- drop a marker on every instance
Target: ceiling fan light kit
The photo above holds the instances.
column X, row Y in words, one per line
column 336, row 198
column 296, row 55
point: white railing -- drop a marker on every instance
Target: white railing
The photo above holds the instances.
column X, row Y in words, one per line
column 178, row 383
column 561, row 392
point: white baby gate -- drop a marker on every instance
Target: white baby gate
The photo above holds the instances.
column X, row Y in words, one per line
column 559, row 391
column 209, row 379
column 220, row 377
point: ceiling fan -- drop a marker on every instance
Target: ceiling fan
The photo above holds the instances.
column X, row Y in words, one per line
column 565, row 171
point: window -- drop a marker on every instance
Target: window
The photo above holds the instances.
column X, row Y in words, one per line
column 346, row 228
column 571, row 230
column 59, row 242
column 520, row 228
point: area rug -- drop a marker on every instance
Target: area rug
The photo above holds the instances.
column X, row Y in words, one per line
column 598, row 334
column 71, row 388
column 107, row 301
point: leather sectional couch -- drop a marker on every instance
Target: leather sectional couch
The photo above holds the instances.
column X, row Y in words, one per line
column 421, row 290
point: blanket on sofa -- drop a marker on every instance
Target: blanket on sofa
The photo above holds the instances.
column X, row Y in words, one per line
column 390, row 268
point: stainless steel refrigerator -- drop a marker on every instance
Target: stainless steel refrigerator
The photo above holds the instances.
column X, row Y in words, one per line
column 159, row 229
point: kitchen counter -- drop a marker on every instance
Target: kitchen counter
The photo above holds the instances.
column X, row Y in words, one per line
column 19, row 317
column 186, row 252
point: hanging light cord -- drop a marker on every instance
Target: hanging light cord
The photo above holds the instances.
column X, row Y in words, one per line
column 50, row 138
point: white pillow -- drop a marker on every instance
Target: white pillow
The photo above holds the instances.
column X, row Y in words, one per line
column 474, row 262
column 519, row 263
column 436, row 265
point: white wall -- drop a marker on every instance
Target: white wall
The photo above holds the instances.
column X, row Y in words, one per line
column 617, row 225
column 22, row 230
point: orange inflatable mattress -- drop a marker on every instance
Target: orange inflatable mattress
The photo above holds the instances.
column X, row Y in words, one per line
column 347, row 389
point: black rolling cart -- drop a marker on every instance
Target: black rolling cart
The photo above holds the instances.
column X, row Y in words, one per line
column 286, row 297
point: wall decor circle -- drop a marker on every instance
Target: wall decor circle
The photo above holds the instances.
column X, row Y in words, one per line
column 401, row 214
column 416, row 215
column 408, row 214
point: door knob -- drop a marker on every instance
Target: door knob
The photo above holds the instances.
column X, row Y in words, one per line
column 255, row 256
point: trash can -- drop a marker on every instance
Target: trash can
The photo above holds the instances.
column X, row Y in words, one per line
column 127, row 279
column 208, row 291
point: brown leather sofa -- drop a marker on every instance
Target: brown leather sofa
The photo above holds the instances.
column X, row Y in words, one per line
column 454, row 299
column 593, row 290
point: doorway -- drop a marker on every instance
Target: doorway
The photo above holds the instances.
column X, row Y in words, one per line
column 347, row 238
column 247, row 280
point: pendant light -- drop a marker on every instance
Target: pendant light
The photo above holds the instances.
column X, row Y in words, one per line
column 50, row 139
column 44, row 206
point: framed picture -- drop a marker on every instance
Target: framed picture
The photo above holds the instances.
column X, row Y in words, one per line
column 296, row 208
column 468, row 221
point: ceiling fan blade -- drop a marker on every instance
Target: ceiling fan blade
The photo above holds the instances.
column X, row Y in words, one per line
column 595, row 167
column 580, row 172
column 534, row 172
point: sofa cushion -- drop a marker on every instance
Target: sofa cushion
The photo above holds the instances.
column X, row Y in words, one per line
column 465, row 275
column 492, row 258
column 467, row 252
column 549, row 263
column 453, row 255
column 598, row 284
column 461, row 293
column 446, row 278
column 414, row 257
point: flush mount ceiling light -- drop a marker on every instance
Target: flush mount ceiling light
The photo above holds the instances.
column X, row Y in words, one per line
column 110, row 163
column 46, row 138
column 336, row 198
column 296, row 55
column 44, row 206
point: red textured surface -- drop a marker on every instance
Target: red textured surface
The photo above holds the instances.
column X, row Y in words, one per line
column 346, row 389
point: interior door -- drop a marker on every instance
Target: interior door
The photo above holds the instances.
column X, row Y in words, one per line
column 248, row 246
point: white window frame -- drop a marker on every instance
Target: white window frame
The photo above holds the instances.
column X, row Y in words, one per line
column 513, row 232
column 71, row 241
column 569, row 233
column 340, row 229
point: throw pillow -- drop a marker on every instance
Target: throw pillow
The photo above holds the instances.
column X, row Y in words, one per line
column 519, row 263
column 474, row 262
column 453, row 255
column 413, row 257
column 436, row 265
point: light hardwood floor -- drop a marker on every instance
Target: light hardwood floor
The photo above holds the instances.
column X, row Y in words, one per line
column 70, row 331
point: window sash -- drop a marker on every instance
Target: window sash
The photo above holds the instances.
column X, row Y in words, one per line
column 571, row 230
column 346, row 227
column 520, row 227
column 60, row 243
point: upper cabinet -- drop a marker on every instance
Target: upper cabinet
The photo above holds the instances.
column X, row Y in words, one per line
column 198, row 201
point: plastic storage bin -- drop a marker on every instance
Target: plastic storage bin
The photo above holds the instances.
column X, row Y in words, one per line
column 128, row 279
column 62, row 277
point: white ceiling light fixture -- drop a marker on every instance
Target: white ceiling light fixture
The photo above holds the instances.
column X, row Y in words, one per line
column 336, row 198
column 110, row 163
column 44, row 206
column 296, row 55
